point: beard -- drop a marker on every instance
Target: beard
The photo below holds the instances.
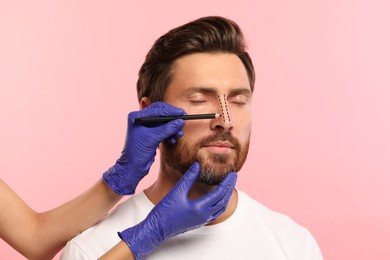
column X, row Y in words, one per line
column 214, row 167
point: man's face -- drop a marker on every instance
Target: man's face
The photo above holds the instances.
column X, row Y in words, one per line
column 210, row 83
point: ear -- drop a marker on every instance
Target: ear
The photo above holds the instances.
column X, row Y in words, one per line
column 145, row 102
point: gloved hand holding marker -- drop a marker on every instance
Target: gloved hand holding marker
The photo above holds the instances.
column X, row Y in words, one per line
column 140, row 147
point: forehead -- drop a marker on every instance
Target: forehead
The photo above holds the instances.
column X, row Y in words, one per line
column 220, row 72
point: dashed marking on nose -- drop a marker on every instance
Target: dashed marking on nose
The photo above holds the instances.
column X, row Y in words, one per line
column 222, row 111
column 226, row 107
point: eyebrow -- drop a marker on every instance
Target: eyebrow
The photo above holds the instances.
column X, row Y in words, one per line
column 240, row 91
column 204, row 90
column 207, row 90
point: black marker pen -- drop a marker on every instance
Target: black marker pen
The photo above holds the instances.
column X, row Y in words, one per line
column 170, row 118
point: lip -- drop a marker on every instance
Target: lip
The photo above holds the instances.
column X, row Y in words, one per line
column 219, row 147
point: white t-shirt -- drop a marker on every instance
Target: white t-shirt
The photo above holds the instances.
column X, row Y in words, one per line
column 252, row 232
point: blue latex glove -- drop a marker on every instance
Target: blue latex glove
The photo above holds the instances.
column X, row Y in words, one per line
column 140, row 147
column 176, row 213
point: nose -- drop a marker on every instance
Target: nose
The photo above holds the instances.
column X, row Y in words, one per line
column 225, row 121
column 221, row 123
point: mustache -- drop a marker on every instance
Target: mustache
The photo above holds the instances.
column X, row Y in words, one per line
column 220, row 136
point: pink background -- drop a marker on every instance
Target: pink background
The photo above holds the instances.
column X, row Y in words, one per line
column 320, row 148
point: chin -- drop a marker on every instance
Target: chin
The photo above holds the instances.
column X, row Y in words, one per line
column 212, row 175
column 210, row 180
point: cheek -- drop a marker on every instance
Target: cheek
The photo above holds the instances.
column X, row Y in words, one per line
column 207, row 107
column 242, row 126
column 241, row 116
column 193, row 128
column 245, row 132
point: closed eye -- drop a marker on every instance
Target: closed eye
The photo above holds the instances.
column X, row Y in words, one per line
column 195, row 102
column 240, row 100
column 198, row 98
column 238, row 103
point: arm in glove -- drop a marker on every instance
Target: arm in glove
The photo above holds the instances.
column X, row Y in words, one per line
column 140, row 147
column 176, row 213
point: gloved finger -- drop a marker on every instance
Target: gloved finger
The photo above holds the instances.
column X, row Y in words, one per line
column 180, row 133
column 225, row 199
column 221, row 205
column 189, row 177
column 173, row 139
column 222, row 193
column 168, row 129
column 217, row 214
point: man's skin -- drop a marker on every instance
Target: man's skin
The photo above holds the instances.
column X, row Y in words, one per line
column 198, row 80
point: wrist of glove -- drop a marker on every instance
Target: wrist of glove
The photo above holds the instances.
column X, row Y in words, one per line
column 121, row 179
column 142, row 238
column 176, row 213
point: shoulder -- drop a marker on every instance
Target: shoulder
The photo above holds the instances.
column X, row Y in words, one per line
column 279, row 227
column 73, row 251
column 254, row 208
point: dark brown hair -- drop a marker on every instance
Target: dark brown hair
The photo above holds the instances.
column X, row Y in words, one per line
column 211, row 34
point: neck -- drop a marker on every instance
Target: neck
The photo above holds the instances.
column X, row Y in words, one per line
column 167, row 179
